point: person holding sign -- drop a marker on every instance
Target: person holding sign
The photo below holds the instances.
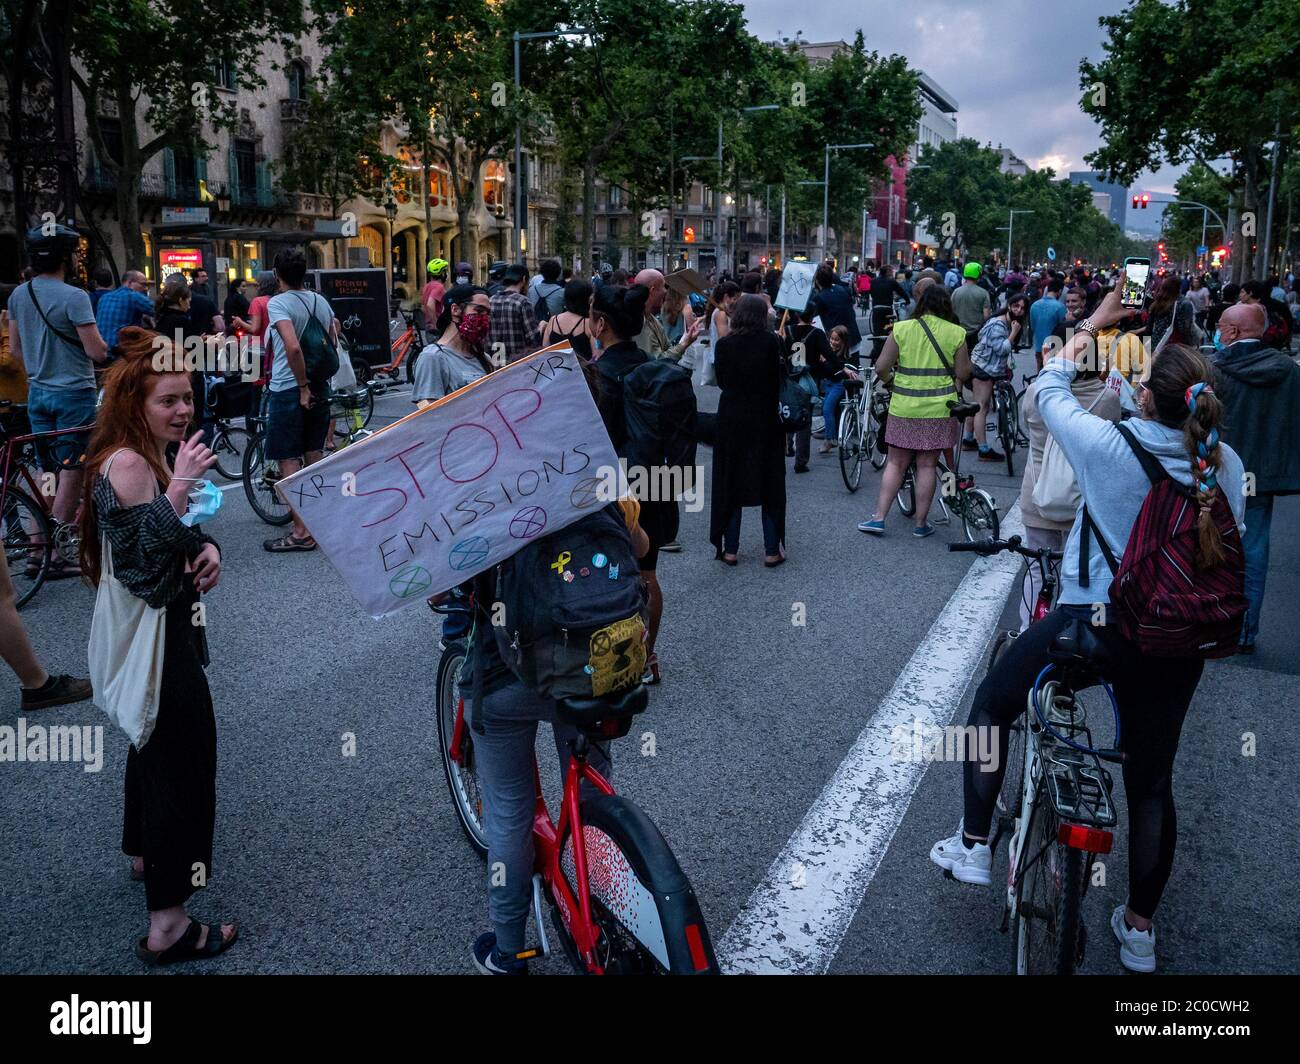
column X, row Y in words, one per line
column 456, row 358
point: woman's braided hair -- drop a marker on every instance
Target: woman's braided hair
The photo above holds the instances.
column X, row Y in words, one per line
column 1180, row 385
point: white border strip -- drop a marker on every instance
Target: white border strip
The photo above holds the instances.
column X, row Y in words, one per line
column 797, row 917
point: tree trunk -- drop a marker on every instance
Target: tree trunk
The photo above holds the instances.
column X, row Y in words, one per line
column 589, row 265
column 128, row 179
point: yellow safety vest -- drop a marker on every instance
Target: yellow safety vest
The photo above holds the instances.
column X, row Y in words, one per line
column 922, row 384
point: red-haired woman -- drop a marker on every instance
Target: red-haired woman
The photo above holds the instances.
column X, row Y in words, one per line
column 135, row 498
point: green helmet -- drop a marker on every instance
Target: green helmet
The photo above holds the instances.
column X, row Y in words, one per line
column 438, row 266
column 973, row 270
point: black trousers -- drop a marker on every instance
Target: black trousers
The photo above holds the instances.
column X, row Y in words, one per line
column 1153, row 697
column 171, row 784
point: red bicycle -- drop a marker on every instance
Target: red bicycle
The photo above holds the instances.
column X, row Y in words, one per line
column 32, row 536
column 620, row 903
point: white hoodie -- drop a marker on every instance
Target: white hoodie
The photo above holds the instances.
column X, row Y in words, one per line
column 1111, row 479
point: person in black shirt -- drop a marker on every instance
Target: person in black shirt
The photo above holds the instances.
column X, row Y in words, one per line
column 203, row 311
column 236, row 305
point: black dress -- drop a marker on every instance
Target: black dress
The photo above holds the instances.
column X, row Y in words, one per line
column 171, row 783
column 749, row 453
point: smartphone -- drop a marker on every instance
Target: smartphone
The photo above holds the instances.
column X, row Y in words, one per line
column 1136, row 273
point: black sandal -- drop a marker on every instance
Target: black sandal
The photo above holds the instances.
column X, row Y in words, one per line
column 185, row 948
column 287, row 543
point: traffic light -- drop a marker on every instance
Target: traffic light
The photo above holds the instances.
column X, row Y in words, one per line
column 1160, row 246
column 1146, row 200
column 1137, row 200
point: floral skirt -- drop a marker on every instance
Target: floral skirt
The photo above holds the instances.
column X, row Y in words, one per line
column 922, row 433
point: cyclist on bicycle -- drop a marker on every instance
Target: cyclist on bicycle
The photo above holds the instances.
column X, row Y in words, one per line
column 504, row 746
column 990, row 361
column 1179, row 427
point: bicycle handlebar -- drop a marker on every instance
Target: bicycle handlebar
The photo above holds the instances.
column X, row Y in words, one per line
column 1012, row 545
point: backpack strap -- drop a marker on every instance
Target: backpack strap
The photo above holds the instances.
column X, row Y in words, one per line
column 1086, row 529
column 71, row 341
column 1150, row 464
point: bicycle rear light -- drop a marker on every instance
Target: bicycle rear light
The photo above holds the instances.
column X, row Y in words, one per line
column 699, row 960
column 1091, row 840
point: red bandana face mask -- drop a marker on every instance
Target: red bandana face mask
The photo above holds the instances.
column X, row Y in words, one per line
column 473, row 328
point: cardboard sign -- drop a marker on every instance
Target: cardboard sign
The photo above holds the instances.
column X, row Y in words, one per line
column 451, row 490
column 796, row 285
column 685, row 282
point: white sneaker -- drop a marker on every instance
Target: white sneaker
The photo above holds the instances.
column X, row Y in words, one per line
column 966, row 866
column 1137, row 949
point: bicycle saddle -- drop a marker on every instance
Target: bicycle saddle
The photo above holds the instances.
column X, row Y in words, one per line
column 1079, row 644
column 851, row 385
column 606, row 716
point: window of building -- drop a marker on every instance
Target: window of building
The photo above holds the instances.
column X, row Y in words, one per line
column 439, row 185
column 708, row 228
column 297, row 80
column 223, row 73
column 494, row 184
column 678, row 228
column 613, row 227
column 709, row 198
column 615, row 196
column 246, row 165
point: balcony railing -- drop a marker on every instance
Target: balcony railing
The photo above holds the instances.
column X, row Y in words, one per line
column 154, row 187
column 293, row 110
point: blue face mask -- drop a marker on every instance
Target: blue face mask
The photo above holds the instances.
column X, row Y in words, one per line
column 205, row 501
column 1218, row 341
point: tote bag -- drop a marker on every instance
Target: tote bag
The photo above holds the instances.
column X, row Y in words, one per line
column 127, row 637
column 1056, row 492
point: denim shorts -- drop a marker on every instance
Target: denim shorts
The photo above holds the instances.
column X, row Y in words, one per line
column 50, row 409
column 291, row 431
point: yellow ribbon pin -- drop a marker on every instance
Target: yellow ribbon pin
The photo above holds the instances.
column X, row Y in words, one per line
column 560, row 562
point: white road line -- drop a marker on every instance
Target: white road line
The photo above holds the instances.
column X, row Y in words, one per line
column 797, row 917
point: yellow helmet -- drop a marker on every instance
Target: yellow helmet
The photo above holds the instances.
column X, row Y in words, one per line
column 438, row 266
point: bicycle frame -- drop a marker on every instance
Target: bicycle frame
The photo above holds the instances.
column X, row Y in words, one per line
column 12, row 447
column 548, row 843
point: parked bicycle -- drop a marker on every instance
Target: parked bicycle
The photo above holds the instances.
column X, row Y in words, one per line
column 619, row 902
column 1062, row 817
column 859, row 426
column 33, row 537
column 958, row 496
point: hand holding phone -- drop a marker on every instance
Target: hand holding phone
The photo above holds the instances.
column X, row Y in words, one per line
column 1136, row 275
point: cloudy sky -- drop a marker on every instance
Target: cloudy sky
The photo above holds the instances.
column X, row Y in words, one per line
column 1013, row 66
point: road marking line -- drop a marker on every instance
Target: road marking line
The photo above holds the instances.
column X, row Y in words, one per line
column 796, row 918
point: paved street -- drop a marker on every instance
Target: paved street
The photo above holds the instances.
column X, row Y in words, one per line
column 356, row 864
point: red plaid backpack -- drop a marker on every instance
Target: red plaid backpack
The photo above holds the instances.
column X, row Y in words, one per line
column 1165, row 603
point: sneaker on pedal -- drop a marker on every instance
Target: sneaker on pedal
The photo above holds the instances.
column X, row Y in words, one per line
column 966, row 866
column 1137, row 949
column 491, row 961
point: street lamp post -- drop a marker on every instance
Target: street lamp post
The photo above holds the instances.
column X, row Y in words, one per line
column 579, row 31
column 826, row 188
column 390, row 210
column 1011, row 222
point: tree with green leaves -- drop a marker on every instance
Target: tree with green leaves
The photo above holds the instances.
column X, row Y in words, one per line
column 440, row 72
column 1183, row 225
column 961, row 194
column 157, row 66
column 1197, row 81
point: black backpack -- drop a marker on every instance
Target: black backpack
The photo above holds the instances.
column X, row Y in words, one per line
column 540, row 309
column 659, row 410
column 572, row 607
column 319, row 354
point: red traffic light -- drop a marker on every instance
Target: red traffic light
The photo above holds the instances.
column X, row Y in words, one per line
column 1146, row 199
column 1136, row 201
column 1160, row 246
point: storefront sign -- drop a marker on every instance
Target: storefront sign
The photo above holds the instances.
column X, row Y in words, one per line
column 359, row 299
column 174, row 260
column 186, row 215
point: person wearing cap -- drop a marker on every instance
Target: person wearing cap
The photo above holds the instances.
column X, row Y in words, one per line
column 514, row 328
column 971, row 303
column 52, row 331
column 432, row 295
column 496, row 275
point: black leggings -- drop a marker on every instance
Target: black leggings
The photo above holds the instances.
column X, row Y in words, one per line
column 1153, row 698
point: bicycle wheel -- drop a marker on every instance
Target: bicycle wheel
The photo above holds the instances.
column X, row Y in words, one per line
column 907, row 493
column 411, row 355
column 979, row 515
column 1006, row 433
column 851, row 444
column 260, row 475
column 29, row 544
column 1046, row 927
column 367, row 409
column 462, row 775
column 229, row 447
column 871, row 434
column 649, row 917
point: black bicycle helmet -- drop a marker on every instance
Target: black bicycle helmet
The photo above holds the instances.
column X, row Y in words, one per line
column 49, row 245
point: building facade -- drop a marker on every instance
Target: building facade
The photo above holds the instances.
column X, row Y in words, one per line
column 1116, row 207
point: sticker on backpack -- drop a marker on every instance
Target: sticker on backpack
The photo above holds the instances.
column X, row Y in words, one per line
column 617, row 655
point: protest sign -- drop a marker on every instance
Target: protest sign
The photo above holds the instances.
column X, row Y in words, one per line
column 461, row 485
column 796, row 285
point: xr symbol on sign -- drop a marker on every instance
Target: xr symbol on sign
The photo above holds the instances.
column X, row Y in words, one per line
column 600, row 644
column 412, row 580
column 585, row 494
column 468, row 553
column 528, row 522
